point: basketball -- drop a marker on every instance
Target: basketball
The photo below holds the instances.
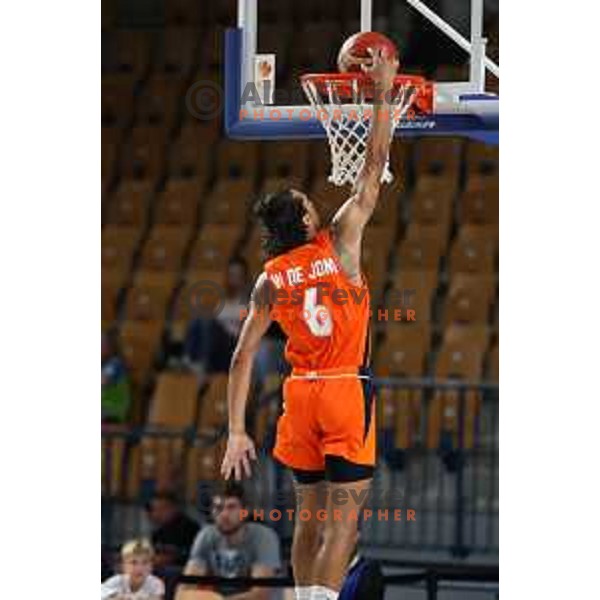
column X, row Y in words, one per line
column 357, row 47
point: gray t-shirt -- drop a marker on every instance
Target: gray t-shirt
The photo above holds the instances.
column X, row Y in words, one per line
column 212, row 551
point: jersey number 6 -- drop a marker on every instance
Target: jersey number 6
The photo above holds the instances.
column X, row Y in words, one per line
column 317, row 316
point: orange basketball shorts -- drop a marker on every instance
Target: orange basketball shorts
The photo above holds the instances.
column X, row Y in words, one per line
column 329, row 413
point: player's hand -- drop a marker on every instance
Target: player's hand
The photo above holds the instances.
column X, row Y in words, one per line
column 240, row 451
column 381, row 68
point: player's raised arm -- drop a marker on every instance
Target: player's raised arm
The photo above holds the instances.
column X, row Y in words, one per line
column 240, row 448
column 354, row 214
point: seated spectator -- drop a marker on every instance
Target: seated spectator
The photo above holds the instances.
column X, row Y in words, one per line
column 116, row 397
column 233, row 547
column 136, row 582
column 210, row 341
column 173, row 532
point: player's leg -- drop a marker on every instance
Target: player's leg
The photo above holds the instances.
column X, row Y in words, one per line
column 307, row 531
column 297, row 447
column 348, row 441
column 345, row 501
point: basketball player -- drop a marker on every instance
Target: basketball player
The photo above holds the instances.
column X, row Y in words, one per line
column 313, row 286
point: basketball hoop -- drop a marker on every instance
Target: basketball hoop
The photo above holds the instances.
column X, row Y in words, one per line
column 344, row 104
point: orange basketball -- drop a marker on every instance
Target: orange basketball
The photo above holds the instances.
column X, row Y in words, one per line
column 357, row 47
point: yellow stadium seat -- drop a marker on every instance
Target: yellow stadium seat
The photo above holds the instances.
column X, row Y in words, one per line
column 430, row 193
column 252, row 251
column 444, row 417
column 475, row 336
column 414, row 306
column 118, row 246
column 134, row 50
column 433, row 237
column 147, row 303
column 173, row 406
column 377, row 242
column 144, row 153
column 466, row 302
column 462, row 359
column 157, row 279
column 213, row 247
column 117, row 100
column 408, row 417
column 175, row 400
column 236, row 159
column 183, row 13
column 439, row 157
column 404, row 349
column 266, row 417
column 482, row 160
column 327, row 197
column 480, row 201
column 415, row 282
column 111, row 138
column 386, row 211
column 179, row 50
column 286, row 159
column 178, row 203
column 420, row 252
column 164, row 249
column 159, row 101
column 394, row 360
column 494, row 362
column 140, row 343
column 194, row 300
column 129, row 204
column 320, row 163
column 474, row 250
column 110, row 291
column 277, row 184
column 191, row 152
column 213, row 409
column 203, row 466
column 386, row 408
column 113, row 457
column 211, row 49
column 227, row 203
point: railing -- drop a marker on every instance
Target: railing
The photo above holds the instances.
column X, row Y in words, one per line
column 444, row 467
column 457, row 582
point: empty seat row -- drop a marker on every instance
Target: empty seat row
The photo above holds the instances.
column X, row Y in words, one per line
column 461, row 353
column 435, row 423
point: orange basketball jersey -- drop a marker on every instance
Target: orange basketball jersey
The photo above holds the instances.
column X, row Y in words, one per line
column 324, row 315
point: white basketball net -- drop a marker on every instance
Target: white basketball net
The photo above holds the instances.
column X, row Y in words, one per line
column 348, row 123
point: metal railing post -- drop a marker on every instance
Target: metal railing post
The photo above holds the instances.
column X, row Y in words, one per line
column 459, row 548
column 432, row 585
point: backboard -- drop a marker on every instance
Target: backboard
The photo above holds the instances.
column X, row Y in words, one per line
column 465, row 106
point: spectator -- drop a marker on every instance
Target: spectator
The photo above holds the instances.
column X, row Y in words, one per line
column 233, row 547
column 116, row 397
column 136, row 582
column 173, row 531
column 210, row 341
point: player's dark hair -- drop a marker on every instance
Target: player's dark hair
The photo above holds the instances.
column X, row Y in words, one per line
column 281, row 215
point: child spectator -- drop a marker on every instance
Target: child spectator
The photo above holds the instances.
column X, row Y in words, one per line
column 136, row 582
